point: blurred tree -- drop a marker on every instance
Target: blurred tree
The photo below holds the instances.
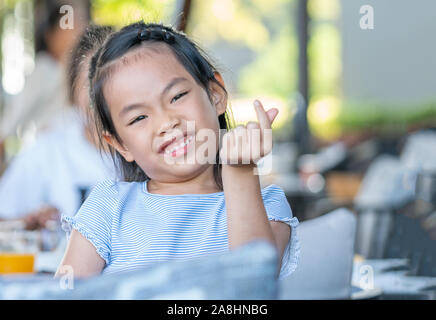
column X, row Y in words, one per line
column 120, row 13
column 273, row 72
column 264, row 28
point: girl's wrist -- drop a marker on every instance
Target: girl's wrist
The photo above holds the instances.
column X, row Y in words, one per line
column 237, row 176
column 239, row 169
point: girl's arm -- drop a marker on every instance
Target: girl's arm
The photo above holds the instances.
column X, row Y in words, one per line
column 282, row 234
column 81, row 256
column 246, row 215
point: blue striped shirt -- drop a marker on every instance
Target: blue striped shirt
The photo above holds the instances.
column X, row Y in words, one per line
column 132, row 228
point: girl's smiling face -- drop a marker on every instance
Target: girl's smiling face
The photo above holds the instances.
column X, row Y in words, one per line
column 151, row 98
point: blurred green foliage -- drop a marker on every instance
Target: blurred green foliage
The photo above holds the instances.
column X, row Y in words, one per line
column 264, row 27
column 325, row 65
column 331, row 118
column 8, row 3
column 360, row 115
column 273, row 72
column 120, row 13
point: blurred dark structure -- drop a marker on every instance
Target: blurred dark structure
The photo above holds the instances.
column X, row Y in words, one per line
column 183, row 17
column 301, row 132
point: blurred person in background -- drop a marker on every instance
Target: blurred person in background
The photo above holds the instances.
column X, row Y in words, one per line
column 53, row 174
column 43, row 96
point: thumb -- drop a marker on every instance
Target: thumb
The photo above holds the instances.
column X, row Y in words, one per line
column 272, row 114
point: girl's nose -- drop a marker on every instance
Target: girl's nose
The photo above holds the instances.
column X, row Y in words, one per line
column 168, row 124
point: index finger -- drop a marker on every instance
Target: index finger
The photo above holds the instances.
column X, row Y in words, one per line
column 264, row 122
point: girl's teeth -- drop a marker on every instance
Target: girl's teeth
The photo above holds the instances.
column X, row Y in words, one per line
column 178, row 146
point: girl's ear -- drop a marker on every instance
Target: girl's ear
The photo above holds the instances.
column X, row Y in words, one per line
column 118, row 146
column 219, row 95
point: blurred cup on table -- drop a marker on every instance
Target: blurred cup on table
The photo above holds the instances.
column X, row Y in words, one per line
column 13, row 263
column 18, row 248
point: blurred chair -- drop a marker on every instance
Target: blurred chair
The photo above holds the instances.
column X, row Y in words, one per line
column 326, row 258
column 386, row 187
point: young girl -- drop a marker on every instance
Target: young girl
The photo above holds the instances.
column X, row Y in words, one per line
column 148, row 83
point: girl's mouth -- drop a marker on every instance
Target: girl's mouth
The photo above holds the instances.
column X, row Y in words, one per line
column 178, row 148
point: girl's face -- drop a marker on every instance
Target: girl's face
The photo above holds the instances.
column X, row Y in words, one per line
column 151, row 98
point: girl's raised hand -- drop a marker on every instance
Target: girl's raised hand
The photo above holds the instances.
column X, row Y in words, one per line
column 246, row 144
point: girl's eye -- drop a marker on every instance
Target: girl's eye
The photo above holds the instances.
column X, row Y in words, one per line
column 178, row 96
column 137, row 119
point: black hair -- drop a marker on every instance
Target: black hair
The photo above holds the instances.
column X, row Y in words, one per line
column 188, row 54
column 48, row 15
column 91, row 39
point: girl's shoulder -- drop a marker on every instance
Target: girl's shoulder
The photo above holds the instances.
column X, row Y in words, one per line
column 273, row 191
column 107, row 198
column 115, row 189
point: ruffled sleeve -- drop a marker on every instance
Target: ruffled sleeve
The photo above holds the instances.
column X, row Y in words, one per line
column 278, row 209
column 94, row 218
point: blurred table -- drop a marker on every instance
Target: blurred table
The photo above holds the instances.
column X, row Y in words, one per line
column 358, row 293
column 391, row 276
